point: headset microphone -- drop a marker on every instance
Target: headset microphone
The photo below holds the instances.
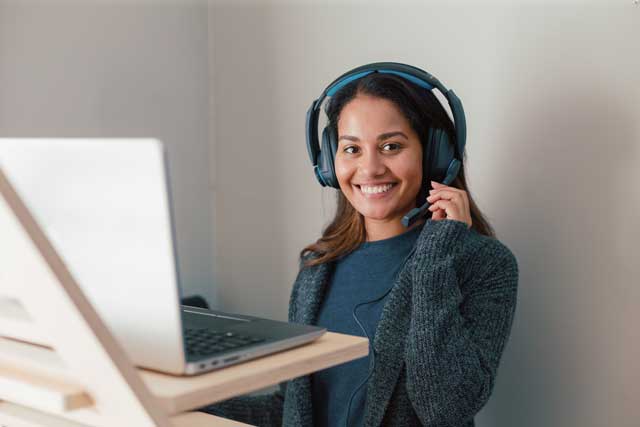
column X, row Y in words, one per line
column 414, row 214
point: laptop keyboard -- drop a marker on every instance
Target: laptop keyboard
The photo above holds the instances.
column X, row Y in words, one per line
column 204, row 342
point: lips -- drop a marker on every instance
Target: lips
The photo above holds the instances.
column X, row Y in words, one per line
column 373, row 184
column 376, row 191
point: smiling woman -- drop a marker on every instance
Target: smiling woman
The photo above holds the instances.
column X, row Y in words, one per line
column 436, row 300
column 365, row 113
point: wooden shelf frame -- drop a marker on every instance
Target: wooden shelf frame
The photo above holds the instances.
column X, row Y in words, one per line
column 61, row 366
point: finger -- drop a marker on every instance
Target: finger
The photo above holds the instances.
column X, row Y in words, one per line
column 444, row 194
column 438, row 215
column 442, row 204
column 445, row 188
column 436, row 186
column 450, row 208
column 436, row 211
column 450, row 190
column 463, row 198
column 447, row 195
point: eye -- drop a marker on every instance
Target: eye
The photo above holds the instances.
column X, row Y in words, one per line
column 392, row 146
column 352, row 149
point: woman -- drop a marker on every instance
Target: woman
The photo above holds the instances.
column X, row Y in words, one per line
column 437, row 298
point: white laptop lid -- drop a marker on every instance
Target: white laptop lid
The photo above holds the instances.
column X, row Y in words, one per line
column 105, row 206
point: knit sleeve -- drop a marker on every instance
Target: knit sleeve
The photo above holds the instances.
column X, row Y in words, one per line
column 265, row 410
column 455, row 344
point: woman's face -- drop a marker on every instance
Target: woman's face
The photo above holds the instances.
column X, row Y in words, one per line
column 379, row 159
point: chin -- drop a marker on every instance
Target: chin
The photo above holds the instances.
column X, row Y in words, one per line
column 376, row 215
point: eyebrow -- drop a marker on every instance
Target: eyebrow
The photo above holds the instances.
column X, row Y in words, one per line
column 381, row 137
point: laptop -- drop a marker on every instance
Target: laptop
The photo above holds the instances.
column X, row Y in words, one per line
column 105, row 204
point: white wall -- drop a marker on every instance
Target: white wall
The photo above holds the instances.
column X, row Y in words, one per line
column 118, row 69
column 552, row 95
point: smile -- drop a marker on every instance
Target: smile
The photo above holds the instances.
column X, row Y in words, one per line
column 375, row 190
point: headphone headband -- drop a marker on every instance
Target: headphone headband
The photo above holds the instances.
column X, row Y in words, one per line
column 408, row 72
column 411, row 73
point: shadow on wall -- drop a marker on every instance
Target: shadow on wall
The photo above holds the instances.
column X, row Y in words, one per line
column 248, row 262
column 570, row 215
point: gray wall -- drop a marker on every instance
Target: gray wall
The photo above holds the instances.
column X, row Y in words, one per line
column 552, row 95
column 118, row 69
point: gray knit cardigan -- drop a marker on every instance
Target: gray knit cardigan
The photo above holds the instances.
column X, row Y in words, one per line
column 439, row 342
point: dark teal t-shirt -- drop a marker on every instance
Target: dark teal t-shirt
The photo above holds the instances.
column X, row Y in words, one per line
column 363, row 275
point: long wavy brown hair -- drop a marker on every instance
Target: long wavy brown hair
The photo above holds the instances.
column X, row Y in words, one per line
column 422, row 110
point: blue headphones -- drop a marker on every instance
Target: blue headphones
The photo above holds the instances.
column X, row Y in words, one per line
column 446, row 157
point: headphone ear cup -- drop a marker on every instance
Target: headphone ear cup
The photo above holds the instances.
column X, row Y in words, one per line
column 443, row 154
column 327, row 155
column 427, row 169
column 333, row 144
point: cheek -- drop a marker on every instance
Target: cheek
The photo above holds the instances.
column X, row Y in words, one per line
column 343, row 172
column 413, row 176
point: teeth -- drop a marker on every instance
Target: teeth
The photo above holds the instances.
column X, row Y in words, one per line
column 376, row 189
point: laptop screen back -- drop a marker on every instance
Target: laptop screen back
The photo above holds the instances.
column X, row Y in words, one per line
column 104, row 204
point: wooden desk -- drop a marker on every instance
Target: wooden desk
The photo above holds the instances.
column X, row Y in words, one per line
column 88, row 380
column 179, row 394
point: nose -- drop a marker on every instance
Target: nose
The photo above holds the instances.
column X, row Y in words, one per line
column 372, row 164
